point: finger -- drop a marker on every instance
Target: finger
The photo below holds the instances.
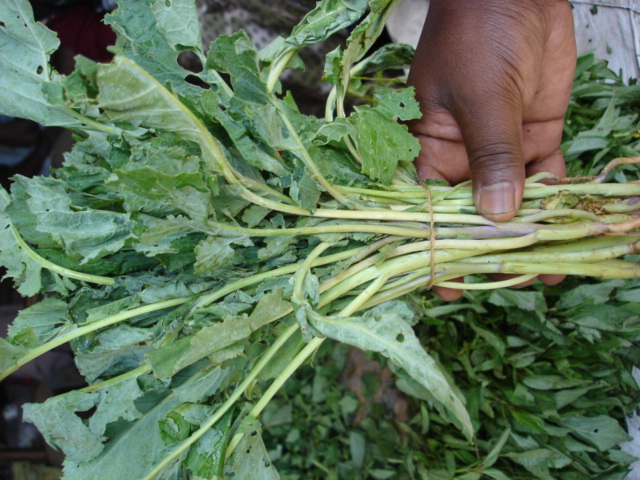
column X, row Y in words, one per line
column 551, row 279
column 448, row 294
column 442, row 159
column 552, row 163
column 493, row 137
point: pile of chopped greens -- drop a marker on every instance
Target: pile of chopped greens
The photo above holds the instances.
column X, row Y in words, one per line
column 204, row 240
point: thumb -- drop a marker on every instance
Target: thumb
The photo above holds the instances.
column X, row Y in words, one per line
column 492, row 134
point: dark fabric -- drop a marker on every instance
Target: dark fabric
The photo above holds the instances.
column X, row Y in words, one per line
column 80, row 28
column 24, row 133
column 45, row 8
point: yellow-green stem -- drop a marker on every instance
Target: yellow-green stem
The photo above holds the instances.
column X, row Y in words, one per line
column 92, row 327
column 65, row 272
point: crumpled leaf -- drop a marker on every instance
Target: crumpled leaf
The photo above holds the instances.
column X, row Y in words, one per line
column 152, row 35
column 84, row 234
column 26, row 48
column 177, row 21
column 250, row 460
column 56, row 419
column 176, row 193
column 324, row 20
column 170, row 359
column 25, row 271
column 9, row 354
column 125, row 455
column 114, row 350
column 206, row 456
column 236, row 55
column 116, row 402
column 391, row 56
column 129, row 94
column 251, row 151
column 327, row 18
column 214, row 255
column 384, row 329
column 82, row 441
column 381, row 143
column 39, row 323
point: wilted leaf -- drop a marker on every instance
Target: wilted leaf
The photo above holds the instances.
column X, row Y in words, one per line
column 384, row 329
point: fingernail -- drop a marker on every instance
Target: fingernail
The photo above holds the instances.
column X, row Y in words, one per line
column 497, row 198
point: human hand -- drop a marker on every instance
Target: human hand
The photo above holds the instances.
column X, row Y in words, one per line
column 493, row 79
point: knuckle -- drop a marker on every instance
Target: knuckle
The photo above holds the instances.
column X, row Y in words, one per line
column 494, row 156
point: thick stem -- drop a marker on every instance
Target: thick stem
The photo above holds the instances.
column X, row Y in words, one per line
column 279, row 381
column 278, row 67
column 510, row 282
column 604, row 269
column 376, row 228
column 390, row 268
column 591, row 252
column 92, row 124
column 92, row 327
column 136, row 372
column 532, row 190
column 613, row 164
column 65, row 272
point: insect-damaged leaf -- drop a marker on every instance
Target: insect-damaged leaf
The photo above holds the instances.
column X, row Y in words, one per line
column 26, row 48
column 383, row 144
column 385, row 329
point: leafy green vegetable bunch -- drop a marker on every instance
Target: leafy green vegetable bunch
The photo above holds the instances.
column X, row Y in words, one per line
column 547, row 372
column 204, row 238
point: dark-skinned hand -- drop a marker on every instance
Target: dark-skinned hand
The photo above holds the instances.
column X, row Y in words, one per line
column 493, row 78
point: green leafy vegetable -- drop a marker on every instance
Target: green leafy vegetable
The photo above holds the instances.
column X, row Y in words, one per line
column 204, row 239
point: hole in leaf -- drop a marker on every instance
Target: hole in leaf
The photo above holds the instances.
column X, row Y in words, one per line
column 39, row 70
column 190, row 61
column 3, row 25
column 195, row 80
column 86, row 414
column 400, row 338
